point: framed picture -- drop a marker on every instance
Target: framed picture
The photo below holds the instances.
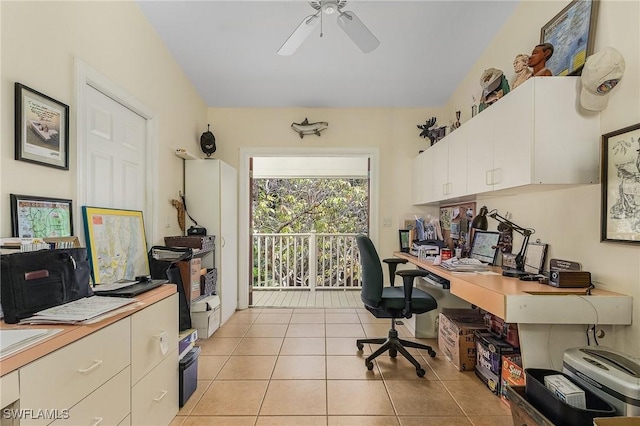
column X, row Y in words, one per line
column 41, row 217
column 571, row 32
column 405, row 244
column 620, row 181
column 116, row 243
column 42, row 129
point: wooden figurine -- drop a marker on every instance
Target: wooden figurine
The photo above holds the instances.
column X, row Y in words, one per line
column 538, row 59
column 522, row 70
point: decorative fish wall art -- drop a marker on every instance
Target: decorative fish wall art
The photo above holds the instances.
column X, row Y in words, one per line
column 306, row 128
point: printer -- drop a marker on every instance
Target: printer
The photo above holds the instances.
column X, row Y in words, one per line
column 613, row 376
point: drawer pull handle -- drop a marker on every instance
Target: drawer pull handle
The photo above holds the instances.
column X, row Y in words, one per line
column 158, row 399
column 97, row 421
column 95, row 365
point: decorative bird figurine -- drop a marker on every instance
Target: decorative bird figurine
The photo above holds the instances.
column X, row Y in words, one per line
column 306, row 128
column 208, row 142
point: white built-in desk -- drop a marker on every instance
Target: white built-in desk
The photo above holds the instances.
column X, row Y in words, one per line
column 550, row 320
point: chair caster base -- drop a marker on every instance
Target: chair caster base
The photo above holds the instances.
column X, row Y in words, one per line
column 360, row 346
column 420, row 372
column 369, row 365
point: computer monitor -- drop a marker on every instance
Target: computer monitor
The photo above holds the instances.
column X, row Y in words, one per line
column 484, row 246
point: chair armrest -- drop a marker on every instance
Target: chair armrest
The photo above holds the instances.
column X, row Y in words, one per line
column 408, row 277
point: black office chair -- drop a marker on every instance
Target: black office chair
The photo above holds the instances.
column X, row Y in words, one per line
column 391, row 302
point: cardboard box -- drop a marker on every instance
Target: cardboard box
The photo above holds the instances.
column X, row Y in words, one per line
column 489, row 351
column 506, row 331
column 190, row 274
column 455, row 336
column 566, row 390
column 205, row 316
column 512, row 375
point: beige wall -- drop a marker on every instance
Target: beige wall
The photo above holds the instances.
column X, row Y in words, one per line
column 39, row 43
column 569, row 220
column 392, row 131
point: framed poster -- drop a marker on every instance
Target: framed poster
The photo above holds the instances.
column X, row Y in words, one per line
column 620, row 182
column 116, row 243
column 40, row 217
column 42, row 129
column 572, row 33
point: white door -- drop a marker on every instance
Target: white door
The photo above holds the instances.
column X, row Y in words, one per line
column 115, row 154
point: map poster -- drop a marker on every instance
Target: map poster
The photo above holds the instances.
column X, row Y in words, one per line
column 117, row 244
column 41, row 217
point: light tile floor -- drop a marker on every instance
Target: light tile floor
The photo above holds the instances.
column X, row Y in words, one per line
column 301, row 366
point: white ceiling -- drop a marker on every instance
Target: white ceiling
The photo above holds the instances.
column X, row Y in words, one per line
column 228, row 51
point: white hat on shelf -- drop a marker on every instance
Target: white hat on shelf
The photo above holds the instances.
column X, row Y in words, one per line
column 601, row 73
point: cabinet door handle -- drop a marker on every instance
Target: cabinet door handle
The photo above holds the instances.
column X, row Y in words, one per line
column 95, row 365
column 159, row 398
column 97, row 421
column 488, row 177
column 497, row 176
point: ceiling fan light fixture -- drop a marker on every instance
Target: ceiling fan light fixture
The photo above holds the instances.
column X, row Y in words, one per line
column 329, row 8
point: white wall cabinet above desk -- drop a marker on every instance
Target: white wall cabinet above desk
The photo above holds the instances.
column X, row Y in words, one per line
column 535, row 135
column 440, row 172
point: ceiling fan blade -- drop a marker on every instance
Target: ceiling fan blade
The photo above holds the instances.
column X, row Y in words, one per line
column 357, row 31
column 299, row 35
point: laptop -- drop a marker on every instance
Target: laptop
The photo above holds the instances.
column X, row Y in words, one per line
column 129, row 289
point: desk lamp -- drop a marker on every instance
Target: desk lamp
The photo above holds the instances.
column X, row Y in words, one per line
column 526, row 233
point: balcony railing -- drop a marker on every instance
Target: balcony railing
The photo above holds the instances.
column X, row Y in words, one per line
column 305, row 261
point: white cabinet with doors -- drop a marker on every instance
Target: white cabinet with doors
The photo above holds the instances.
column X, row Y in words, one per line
column 422, row 178
column 441, row 170
column 211, row 193
column 535, row 135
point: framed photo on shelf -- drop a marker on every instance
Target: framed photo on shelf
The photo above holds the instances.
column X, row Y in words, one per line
column 405, row 244
column 41, row 129
column 620, row 182
column 116, row 244
column 41, row 217
column 572, row 33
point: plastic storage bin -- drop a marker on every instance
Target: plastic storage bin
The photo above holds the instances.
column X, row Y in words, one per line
column 560, row 413
column 188, row 375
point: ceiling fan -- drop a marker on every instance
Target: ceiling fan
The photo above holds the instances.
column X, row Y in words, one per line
column 347, row 20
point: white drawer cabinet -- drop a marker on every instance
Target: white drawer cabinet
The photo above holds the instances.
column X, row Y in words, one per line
column 154, row 334
column 123, row 372
column 61, row 379
column 109, row 405
column 154, row 399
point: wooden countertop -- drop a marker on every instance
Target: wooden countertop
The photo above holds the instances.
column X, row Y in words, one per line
column 531, row 302
column 71, row 333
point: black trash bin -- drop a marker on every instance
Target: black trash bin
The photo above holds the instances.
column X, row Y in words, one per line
column 188, row 375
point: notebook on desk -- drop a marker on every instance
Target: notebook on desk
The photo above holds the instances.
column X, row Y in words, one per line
column 129, row 290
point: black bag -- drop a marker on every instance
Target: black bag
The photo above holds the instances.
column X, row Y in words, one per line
column 37, row 280
column 162, row 265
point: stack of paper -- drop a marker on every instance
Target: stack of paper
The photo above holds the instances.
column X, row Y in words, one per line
column 12, row 341
column 464, row 265
column 80, row 311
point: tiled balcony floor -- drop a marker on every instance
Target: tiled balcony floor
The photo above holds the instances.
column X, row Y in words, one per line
column 300, row 366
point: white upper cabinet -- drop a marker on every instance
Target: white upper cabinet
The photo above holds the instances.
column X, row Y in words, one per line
column 535, row 135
